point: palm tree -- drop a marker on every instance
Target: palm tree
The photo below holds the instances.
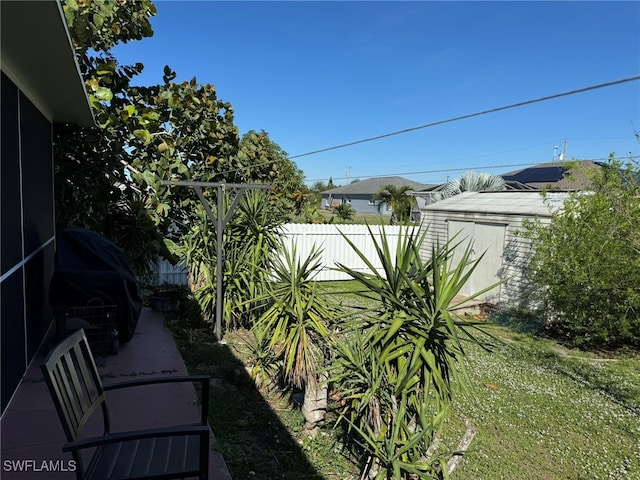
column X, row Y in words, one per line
column 345, row 211
column 471, row 182
column 397, row 199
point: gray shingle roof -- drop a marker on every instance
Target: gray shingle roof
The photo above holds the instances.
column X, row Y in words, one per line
column 372, row 186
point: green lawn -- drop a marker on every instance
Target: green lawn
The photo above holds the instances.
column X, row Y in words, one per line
column 543, row 412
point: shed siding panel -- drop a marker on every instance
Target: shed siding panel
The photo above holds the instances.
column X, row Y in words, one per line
column 436, row 231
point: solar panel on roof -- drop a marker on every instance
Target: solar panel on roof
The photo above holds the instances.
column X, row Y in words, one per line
column 541, row 174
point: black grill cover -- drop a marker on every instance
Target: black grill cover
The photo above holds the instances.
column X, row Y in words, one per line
column 89, row 266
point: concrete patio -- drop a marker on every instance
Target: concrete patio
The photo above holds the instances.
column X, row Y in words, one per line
column 30, row 428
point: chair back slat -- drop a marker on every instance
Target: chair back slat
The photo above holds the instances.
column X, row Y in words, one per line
column 74, row 382
column 65, row 395
column 79, row 391
column 89, row 372
column 73, row 389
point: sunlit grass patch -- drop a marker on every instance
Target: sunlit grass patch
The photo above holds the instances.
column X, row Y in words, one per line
column 542, row 414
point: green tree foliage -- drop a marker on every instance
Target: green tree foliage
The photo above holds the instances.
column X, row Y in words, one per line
column 398, row 200
column 397, row 365
column 320, row 186
column 587, row 261
column 270, row 164
column 109, row 177
column 102, row 24
column 191, row 136
column 91, row 185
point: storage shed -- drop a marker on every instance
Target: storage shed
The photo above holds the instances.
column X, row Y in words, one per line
column 490, row 221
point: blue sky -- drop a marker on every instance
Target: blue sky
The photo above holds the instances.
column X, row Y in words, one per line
column 319, row 74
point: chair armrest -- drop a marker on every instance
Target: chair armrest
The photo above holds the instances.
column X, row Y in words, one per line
column 201, row 430
column 203, row 379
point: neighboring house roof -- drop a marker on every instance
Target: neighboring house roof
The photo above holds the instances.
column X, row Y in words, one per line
column 510, row 185
column 554, row 175
column 550, row 175
column 503, row 202
column 372, row 186
column 37, row 55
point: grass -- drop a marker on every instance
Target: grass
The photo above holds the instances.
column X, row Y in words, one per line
column 358, row 219
column 543, row 411
column 547, row 412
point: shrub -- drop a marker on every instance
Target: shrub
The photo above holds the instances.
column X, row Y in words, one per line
column 294, row 327
column 586, row 262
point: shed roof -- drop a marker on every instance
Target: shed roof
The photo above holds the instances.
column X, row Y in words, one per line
column 372, row 186
column 37, row 55
column 504, row 202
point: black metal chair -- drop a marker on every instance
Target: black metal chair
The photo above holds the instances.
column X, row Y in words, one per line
column 161, row 453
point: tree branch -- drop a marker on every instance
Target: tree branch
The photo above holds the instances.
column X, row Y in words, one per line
column 462, row 446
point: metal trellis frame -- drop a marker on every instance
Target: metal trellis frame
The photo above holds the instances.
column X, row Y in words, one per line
column 219, row 222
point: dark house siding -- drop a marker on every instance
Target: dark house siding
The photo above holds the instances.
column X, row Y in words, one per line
column 27, row 222
column 10, row 176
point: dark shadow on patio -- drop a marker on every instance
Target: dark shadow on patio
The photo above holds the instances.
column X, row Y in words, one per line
column 250, row 434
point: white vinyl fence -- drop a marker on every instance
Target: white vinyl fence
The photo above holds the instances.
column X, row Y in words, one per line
column 166, row 272
column 327, row 238
column 335, row 248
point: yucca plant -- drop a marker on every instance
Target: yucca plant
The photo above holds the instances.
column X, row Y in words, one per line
column 266, row 369
column 398, row 365
column 296, row 321
column 250, row 239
